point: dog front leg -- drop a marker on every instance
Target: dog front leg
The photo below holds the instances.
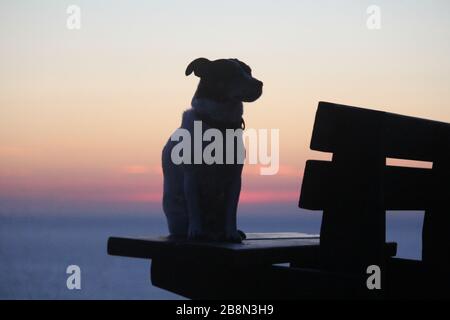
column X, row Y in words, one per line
column 232, row 200
column 192, row 196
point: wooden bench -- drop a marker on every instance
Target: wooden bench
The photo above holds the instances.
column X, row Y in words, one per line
column 354, row 190
column 212, row 270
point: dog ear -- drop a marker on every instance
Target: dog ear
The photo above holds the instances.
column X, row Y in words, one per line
column 244, row 66
column 198, row 66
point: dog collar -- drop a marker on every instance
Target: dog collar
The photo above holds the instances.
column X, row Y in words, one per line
column 220, row 124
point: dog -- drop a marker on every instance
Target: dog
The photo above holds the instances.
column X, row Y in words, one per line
column 200, row 200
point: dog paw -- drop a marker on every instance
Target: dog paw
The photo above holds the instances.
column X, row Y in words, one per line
column 235, row 236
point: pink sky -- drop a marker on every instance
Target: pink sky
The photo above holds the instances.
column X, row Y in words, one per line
column 84, row 114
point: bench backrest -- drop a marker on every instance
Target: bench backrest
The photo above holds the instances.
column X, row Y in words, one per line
column 356, row 187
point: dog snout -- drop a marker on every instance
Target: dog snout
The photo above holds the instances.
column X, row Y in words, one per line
column 258, row 87
column 253, row 91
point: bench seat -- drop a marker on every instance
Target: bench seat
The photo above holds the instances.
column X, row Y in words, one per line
column 257, row 249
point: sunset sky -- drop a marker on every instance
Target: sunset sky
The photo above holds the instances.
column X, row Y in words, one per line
column 85, row 113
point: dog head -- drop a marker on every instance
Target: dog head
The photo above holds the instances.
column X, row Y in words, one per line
column 225, row 80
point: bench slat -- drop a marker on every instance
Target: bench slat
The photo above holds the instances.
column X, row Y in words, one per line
column 404, row 188
column 261, row 248
column 338, row 126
